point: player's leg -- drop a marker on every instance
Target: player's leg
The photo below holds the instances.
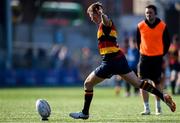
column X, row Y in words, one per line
column 160, row 85
column 89, row 83
column 173, row 81
column 144, row 71
column 145, row 97
column 153, row 70
column 178, row 82
column 127, row 89
column 145, row 85
column 117, row 82
column 157, row 100
column 136, row 90
column 98, row 75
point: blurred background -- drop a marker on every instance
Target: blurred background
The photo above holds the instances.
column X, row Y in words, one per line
column 53, row 42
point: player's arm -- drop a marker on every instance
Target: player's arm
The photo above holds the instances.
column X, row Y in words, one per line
column 104, row 18
column 138, row 38
column 166, row 40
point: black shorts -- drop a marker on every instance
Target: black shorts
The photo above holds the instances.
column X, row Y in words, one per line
column 150, row 68
column 112, row 67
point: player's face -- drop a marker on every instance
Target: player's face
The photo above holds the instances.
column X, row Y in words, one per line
column 150, row 15
column 95, row 17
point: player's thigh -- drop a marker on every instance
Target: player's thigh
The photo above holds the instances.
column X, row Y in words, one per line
column 131, row 78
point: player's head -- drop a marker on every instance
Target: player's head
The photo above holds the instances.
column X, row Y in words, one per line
column 150, row 13
column 93, row 12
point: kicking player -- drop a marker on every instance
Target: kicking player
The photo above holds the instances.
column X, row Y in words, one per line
column 113, row 63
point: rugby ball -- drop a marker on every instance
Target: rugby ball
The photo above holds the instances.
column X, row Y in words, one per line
column 43, row 108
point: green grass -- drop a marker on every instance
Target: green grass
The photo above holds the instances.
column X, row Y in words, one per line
column 18, row 105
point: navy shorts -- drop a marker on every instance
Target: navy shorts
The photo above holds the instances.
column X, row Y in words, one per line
column 112, row 67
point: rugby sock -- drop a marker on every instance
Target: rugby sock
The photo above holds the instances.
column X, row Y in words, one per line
column 158, row 104
column 87, row 101
column 146, row 106
column 150, row 88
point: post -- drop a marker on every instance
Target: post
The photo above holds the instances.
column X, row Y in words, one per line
column 8, row 34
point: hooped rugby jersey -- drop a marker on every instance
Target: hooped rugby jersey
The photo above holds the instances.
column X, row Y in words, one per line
column 107, row 44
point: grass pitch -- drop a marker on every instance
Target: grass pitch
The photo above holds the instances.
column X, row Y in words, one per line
column 18, row 105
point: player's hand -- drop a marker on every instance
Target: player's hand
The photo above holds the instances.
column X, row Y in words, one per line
column 99, row 11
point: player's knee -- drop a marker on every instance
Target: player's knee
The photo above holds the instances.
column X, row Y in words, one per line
column 88, row 85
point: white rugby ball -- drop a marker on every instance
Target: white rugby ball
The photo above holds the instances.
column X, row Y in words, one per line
column 43, row 108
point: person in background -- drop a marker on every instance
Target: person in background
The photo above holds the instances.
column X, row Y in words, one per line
column 174, row 62
column 133, row 59
column 113, row 63
column 153, row 43
column 178, row 73
column 117, row 81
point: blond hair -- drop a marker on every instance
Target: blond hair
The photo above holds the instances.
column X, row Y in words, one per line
column 94, row 6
